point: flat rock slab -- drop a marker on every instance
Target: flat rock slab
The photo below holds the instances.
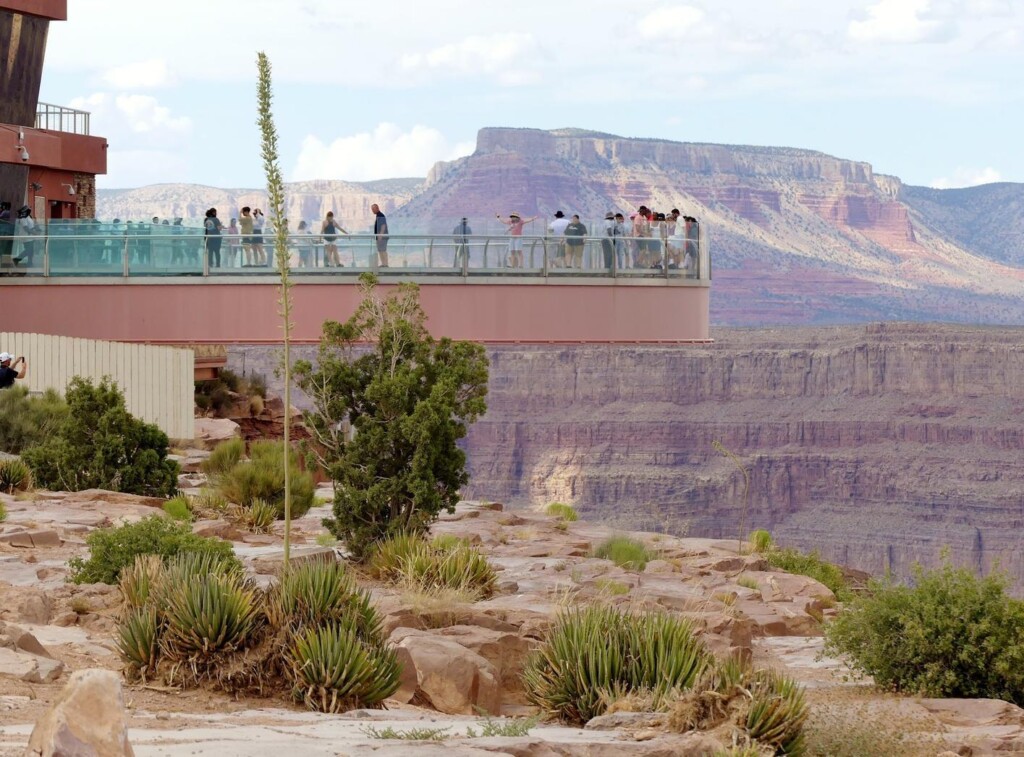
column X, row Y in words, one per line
column 32, row 539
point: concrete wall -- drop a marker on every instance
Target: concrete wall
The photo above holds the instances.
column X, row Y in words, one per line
column 156, row 381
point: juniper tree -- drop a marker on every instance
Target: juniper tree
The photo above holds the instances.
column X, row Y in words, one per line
column 390, row 405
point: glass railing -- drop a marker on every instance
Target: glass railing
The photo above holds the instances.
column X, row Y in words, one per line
column 102, row 250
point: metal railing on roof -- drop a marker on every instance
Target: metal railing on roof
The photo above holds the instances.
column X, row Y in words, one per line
column 58, row 118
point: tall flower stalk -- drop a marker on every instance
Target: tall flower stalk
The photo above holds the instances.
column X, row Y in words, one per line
column 275, row 195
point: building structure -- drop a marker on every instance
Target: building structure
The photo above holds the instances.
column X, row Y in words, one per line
column 48, row 159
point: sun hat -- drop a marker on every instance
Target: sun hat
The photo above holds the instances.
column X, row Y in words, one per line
column 5, row 356
column 559, row 214
column 514, row 215
column 609, row 216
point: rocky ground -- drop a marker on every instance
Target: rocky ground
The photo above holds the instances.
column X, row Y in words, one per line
column 460, row 658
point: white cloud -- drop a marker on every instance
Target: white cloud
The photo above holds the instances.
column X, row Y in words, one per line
column 968, row 177
column 506, row 55
column 677, row 22
column 145, row 74
column 385, row 152
column 115, row 114
column 899, row 21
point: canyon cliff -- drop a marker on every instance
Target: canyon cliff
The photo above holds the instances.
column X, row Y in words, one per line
column 878, row 446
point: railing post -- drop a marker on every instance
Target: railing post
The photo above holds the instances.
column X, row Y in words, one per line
column 546, row 262
column 206, row 258
column 125, row 267
column 46, row 256
column 430, row 254
column 615, row 258
column 465, row 259
column 487, row 244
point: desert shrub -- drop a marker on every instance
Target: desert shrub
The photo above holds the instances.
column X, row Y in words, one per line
column 111, row 550
column 256, row 406
column 15, row 476
column 27, row 421
column 100, row 445
column 625, row 552
column 179, row 508
column 769, row 708
column 203, row 402
column 262, row 477
column 950, row 634
column 334, row 670
column 595, row 654
column 748, row 582
column 761, row 540
column 211, row 500
column 256, row 385
column 565, row 513
column 231, row 380
column 3, row 512
column 445, row 563
column 812, row 566
column 138, row 580
column 224, row 457
column 387, row 555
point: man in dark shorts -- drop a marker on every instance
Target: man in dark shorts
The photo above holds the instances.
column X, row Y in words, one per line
column 380, row 230
column 8, row 373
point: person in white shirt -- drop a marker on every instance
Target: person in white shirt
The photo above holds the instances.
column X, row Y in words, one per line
column 25, row 230
column 556, row 229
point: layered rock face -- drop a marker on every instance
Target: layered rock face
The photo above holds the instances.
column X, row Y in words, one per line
column 879, row 447
column 307, row 200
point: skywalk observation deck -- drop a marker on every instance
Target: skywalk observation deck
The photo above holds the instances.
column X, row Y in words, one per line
column 159, row 284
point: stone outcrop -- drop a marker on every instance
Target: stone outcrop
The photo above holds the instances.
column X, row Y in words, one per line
column 87, row 719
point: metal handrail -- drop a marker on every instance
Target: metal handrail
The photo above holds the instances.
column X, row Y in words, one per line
column 167, row 251
column 60, row 118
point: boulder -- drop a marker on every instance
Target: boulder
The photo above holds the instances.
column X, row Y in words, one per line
column 212, row 431
column 507, row 652
column 88, row 718
column 29, row 668
column 221, row 529
column 443, row 674
column 18, row 639
column 35, row 539
column 34, row 607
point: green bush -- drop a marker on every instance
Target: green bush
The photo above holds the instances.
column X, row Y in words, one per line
column 256, row 385
column 625, row 552
column 334, row 670
column 812, row 566
column 111, row 550
column 15, row 476
column 179, row 508
column 950, row 634
column 597, row 653
column 28, row 421
column 100, row 445
column 761, row 540
column 262, row 477
column 565, row 513
column 224, row 457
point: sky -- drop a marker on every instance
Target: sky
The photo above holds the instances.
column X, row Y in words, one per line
column 931, row 91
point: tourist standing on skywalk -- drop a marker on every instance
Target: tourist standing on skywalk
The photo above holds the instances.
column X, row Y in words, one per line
column 380, row 231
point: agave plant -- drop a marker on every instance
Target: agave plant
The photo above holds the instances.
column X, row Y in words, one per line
column 140, row 580
column 316, row 594
column 778, row 711
column 15, row 476
column 598, row 650
column 388, row 554
column 138, row 639
column 209, row 614
column 260, row 516
column 333, row 670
